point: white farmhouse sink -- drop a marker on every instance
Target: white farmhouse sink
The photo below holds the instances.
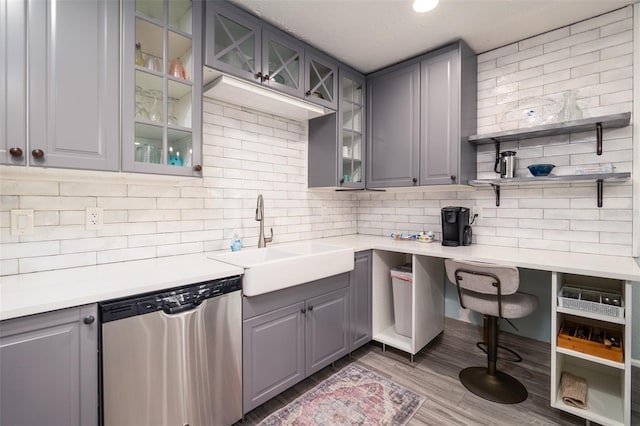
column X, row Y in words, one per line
column 274, row 268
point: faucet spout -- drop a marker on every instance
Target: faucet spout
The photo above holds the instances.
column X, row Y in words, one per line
column 262, row 239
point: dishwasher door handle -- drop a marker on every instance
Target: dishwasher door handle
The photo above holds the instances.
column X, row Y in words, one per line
column 172, row 310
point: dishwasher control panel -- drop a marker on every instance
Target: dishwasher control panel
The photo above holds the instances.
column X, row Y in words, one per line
column 171, row 301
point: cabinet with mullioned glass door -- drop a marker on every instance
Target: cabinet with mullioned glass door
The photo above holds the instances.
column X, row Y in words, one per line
column 336, row 141
column 241, row 45
column 162, row 87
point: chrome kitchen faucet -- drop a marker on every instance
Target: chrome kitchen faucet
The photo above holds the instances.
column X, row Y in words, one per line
column 262, row 239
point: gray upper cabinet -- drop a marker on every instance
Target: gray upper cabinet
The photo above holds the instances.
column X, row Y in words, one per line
column 445, row 155
column 13, row 83
column 233, row 42
column 360, row 296
column 282, row 63
column 336, row 141
column 49, row 368
column 393, row 127
column 321, row 79
column 72, row 83
column 162, row 87
column 420, row 115
column 239, row 44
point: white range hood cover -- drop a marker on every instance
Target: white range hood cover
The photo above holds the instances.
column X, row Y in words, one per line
column 260, row 98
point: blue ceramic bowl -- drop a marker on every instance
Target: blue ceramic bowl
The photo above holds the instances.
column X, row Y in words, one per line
column 541, row 169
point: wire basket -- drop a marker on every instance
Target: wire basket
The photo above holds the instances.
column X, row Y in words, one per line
column 599, row 302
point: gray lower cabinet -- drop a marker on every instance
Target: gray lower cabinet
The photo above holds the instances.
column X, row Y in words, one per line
column 393, row 128
column 292, row 333
column 360, row 296
column 327, row 330
column 73, row 83
column 49, row 369
column 419, row 116
column 273, row 354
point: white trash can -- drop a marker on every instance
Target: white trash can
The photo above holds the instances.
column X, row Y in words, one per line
column 402, row 280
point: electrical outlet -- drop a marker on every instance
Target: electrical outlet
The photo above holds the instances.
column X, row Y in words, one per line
column 475, row 210
column 22, row 222
column 94, row 218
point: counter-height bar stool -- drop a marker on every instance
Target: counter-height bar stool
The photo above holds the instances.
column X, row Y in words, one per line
column 491, row 290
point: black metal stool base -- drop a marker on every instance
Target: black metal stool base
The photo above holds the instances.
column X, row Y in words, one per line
column 501, row 387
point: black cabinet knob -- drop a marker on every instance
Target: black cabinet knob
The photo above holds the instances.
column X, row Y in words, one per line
column 266, row 77
column 415, row 180
column 453, row 178
column 308, row 93
column 15, row 152
column 197, row 168
column 259, row 75
column 303, row 311
column 310, row 308
column 37, row 153
column 89, row 319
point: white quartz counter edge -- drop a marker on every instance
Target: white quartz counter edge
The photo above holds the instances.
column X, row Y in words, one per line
column 38, row 292
column 616, row 267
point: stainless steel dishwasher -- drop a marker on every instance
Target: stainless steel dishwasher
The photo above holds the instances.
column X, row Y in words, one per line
column 173, row 358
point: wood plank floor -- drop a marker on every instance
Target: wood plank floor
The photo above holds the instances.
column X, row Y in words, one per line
column 434, row 373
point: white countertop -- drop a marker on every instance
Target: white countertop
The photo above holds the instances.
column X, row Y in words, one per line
column 29, row 294
column 38, row 292
column 616, row 267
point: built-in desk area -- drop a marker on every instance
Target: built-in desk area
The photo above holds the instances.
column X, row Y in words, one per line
column 609, row 381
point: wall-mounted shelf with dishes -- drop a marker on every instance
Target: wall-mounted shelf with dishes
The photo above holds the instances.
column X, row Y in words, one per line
column 566, row 127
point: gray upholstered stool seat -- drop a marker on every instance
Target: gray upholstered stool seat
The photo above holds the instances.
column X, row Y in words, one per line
column 491, row 290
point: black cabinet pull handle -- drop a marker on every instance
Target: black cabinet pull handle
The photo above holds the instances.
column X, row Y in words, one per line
column 89, row 319
column 15, row 152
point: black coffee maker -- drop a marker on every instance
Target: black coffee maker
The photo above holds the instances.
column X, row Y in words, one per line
column 455, row 226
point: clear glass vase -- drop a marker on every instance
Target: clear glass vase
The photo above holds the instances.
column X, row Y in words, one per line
column 570, row 109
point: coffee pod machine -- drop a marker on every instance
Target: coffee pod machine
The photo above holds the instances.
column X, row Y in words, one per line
column 456, row 230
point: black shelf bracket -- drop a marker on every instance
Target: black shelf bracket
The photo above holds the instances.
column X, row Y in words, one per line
column 599, row 138
column 496, row 190
column 600, row 186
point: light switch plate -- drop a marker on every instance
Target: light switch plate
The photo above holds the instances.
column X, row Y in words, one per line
column 22, row 222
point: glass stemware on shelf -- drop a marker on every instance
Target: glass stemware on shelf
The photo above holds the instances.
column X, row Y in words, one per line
column 155, row 104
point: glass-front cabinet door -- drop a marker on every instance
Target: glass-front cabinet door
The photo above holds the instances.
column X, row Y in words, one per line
column 233, row 42
column 161, row 113
column 321, row 80
column 351, row 123
column 282, row 63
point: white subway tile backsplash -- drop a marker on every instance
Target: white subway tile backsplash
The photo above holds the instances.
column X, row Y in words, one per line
column 547, row 37
column 46, row 263
column 602, row 20
column 572, row 40
column 124, row 255
column 82, row 245
column 24, row 187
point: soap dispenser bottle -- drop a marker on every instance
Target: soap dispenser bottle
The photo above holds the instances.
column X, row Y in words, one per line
column 236, row 244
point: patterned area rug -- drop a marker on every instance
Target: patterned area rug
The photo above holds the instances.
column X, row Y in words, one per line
column 352, row 396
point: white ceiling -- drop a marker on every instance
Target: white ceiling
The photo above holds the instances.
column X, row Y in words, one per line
column 371, row 34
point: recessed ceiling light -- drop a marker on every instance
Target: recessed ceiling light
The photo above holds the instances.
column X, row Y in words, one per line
column 422, row 6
